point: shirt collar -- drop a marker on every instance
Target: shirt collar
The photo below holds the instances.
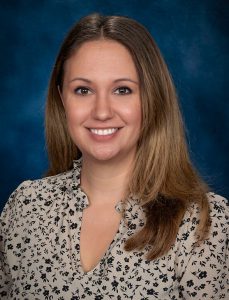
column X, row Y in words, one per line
column 82, row 197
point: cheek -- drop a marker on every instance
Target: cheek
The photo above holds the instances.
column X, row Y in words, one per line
column 71, row 116
column 133, row 113
column 75, row 114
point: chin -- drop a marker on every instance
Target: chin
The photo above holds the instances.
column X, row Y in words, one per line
column 104, row 155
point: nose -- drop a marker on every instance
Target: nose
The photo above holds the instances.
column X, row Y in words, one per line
column 102, row 109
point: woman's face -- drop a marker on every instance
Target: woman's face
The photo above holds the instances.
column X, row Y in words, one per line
column 101, row 97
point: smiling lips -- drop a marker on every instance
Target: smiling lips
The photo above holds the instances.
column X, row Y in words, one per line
column 107, row 131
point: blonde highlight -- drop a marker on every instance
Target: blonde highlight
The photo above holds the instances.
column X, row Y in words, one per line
column 163, row 176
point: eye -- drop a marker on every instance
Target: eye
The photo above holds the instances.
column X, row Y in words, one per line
column 81, row 90
column 123, row 90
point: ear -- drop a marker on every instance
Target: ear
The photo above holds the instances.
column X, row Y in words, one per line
column 61, row 96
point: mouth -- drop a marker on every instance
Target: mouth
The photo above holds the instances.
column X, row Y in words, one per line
column 105, row 131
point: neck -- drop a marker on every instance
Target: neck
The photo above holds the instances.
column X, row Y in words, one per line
column 105, row 183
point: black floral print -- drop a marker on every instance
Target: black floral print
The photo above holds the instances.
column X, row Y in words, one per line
column 40, row 250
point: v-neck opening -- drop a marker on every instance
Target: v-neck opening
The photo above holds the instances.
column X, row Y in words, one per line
column 100, row 266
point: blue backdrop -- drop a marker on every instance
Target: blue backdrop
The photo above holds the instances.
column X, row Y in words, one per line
column 193, row 37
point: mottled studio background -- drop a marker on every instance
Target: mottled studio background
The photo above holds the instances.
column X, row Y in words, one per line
column 193, row 37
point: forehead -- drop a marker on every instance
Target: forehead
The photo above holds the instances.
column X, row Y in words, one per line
column 102, row 47
column 101, row 57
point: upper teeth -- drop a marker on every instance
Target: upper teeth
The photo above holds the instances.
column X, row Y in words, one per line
column 104, row 131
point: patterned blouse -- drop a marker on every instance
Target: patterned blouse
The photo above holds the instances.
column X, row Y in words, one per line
column 40, row 250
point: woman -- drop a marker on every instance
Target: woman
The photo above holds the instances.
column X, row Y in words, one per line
column 123, row 214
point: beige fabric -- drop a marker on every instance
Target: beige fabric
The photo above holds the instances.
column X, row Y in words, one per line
column 39, row 244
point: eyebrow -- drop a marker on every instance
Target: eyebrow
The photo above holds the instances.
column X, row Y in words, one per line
column 116, row 80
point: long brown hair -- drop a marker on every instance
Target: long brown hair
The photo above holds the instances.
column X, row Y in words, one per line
column 163, row 176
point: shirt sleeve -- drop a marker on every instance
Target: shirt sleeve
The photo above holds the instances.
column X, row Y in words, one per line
column 206, row 274
column 8, row 219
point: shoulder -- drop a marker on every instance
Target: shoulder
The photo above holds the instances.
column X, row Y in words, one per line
column 219, row 213
column 219, row 206
column 203, row 267
column 219, row 216
column 47, row 183
column 44, row 185
column 34, row 195
column 219, row 209
column 218, row 222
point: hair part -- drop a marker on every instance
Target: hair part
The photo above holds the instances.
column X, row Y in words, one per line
column 163, row 176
